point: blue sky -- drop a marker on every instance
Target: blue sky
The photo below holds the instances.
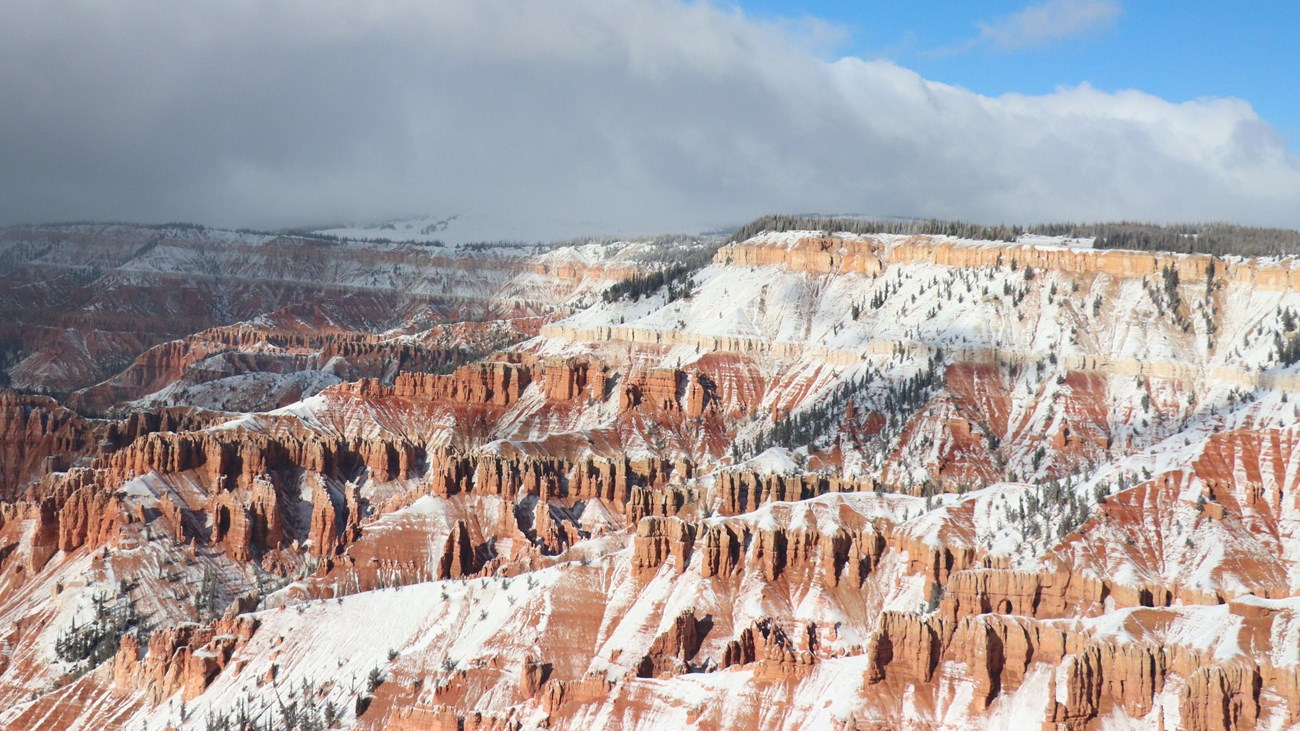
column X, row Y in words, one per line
column 1178, row 51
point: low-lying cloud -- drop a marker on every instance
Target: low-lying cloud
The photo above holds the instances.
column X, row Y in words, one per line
column 574, row 116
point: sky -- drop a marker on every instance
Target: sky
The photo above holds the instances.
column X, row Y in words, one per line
column 1179, row 52
column 532, row 120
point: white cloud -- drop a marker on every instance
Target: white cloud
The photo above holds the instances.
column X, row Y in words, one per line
column 572, row 116
column 1039, row 25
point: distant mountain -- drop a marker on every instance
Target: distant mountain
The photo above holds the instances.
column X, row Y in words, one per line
column 472, row 227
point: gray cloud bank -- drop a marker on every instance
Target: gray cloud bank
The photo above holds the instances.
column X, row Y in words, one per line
column 541, row 119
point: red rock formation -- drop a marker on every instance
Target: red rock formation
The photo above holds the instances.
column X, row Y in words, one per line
column 1092, row 676
column 446, row 718
column 243, row 348
column 247, row 522
column 557, row 694
column 905, row 649
column 565, row 380
column 744, row 492
column 532, row 675
column 766, row 643
column 491, row 383
column 457, row 559
column 644, row 502
column 90, row 517
column 672, row 649
column 723, row 548
column 240, row 457
column 589, row 479
column 660, row 389
column 701, row 396
column 658, row 539
column 1032, row 594
column 770, row 552
column 184, row 658
column 1221, row 698
column 37, row 437
column 849, row 556
column 325, row 523
column 813, row 254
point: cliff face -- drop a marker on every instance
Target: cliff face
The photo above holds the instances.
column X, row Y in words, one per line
column 814, row 255
column 37, row 437
column 1091, row 677
column 498, row 384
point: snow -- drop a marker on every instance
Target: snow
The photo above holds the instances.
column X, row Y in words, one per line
column 1056, row 241
column 775, row 460
column 797, row 335
column 1025, row 707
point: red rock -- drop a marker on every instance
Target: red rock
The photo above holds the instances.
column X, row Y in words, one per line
column 187, row 657
column 457, row 560
column 658, row 539
column 672, row 649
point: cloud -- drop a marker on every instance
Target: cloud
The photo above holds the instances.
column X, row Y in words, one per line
column 1039, row 25
column 535, row 120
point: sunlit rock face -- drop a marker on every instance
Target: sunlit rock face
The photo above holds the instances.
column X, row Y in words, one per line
column 824, row 481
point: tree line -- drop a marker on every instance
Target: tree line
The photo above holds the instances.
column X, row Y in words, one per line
column 1215, row 238
column 933, row 227
column 678, row 277
column 1218, row 239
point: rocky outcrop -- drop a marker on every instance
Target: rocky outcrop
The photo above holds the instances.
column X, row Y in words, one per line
column 446, row 718
column 722, row 547
column 244, row 473
column 566, row 380
column 457, row 559
column 591, row 478
column 185, row 658
column 1046, row 595
column 90, row 517
column 74, row 514
column 656, row 388
column 247, row 522
column 743, row 492
column 86, row 310
column 533, row 674
column 38, row 437
column 813, row 254
column 43, row 540
column 556, row 695
column 1092, row 677
column 335, row 520
column 845, row 557
column 673, row 649
column 764, row 642
column 670, row 392
column 1191, row 268
column 230, row 458
column 905, row 648
column 491, row 384
column 659, row 539
column 644, row 502
column 1222, row 698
